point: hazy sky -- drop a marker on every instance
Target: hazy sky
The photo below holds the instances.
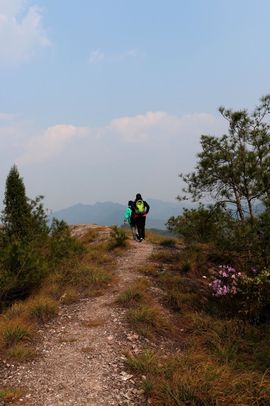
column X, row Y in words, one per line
column 102, row 99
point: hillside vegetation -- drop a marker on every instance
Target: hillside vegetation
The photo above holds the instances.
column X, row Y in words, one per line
column 44, row 266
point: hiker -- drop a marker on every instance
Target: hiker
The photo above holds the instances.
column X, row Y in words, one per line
column 141, row 209
column 129, row 218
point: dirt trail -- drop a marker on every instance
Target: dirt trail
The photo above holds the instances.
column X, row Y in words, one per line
column 81, row 364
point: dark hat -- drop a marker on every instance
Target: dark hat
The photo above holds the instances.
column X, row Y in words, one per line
column 138, row 196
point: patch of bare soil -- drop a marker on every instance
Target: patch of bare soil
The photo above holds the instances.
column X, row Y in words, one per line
column 82, row 351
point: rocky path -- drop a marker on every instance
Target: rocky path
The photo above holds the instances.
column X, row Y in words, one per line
column 82, row 350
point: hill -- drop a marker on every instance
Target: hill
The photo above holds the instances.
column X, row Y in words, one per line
column 109, row 213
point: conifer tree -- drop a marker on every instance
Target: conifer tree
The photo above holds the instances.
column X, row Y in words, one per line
column 16, row 216
column 234, row 170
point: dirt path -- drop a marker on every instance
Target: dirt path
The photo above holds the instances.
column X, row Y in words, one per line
column 83, row 364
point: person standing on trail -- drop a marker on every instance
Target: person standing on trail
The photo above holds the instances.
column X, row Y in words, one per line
column 129, row 218
column 141, row 208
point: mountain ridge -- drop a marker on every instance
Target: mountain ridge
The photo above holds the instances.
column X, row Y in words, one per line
column 109, row 213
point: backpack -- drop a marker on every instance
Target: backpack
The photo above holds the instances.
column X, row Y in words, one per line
column 128, row 214
column 139, row 207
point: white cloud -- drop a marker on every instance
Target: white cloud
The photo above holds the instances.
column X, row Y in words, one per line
column 7, row 117
column 11, row 7
column 153, row 130
column 21, row 31
column 97, row 55
column 49, row 144
column 153, row 125
column 142, row 153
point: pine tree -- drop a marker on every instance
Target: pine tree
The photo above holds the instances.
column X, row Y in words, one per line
column 16, row 216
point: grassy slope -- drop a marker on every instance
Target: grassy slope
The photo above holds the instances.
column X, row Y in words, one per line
column 83, row 275
column 214, row 361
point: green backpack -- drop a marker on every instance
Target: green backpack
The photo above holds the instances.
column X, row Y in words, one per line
column 139, row 209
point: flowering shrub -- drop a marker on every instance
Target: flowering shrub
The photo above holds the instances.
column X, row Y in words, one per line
column 226, row 282
column 247, row 294
column 254, row 294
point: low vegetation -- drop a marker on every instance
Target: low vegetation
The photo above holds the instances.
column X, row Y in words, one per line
column 42, row 266
column 216, row 282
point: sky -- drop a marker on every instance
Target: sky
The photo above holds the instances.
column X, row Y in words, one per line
column 102, row 99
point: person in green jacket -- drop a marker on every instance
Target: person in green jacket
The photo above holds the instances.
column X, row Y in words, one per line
column 129, row 218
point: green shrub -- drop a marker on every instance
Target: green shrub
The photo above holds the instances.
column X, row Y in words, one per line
column 118, row 238
column 22, row 268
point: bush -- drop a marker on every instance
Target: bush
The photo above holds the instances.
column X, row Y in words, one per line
column 118, row 238
column 198, row 225
column 22, row 268
column 254, row 296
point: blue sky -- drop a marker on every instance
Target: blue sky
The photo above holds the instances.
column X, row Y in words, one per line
column 102, row 99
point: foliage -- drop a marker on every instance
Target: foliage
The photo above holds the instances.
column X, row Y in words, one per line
column 118, row 238
column 29, row 248
column 234, row 169
column 22, row 268
column 198, row 225
column 254, row 292
column 61, row 243
column 16, row 216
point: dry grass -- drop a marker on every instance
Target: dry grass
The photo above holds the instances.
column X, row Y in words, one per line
column 92, row 323
column 85, row 274
column 193, row 378
column 148, row 320
column 222, row 362
column 145, row 362
column 149, row 269
column 21, row 353
column 70, row 295
column 10, row 395
column 68, row 340
column 15, row 311
column 166, row 256
column 41, row 309
column 14, row 331
column 87, row 350
column 134, row 294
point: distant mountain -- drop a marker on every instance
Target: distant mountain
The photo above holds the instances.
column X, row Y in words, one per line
column 109, row 213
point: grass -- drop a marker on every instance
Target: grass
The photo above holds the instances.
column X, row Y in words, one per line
column 193, row 378
column 222, row 361
column 168, row 242
column 68, row 340
column 92, row 323
column 21, row 353
column 13, row 332
column 149, row 269
column 118, row 238
column 87, row 273
column 41, row 309
column 70, row 295
column 145, row 362
column 87, row 350
column 148, row 320
column 8, row 394
column 165, row 256
column 134, row 294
